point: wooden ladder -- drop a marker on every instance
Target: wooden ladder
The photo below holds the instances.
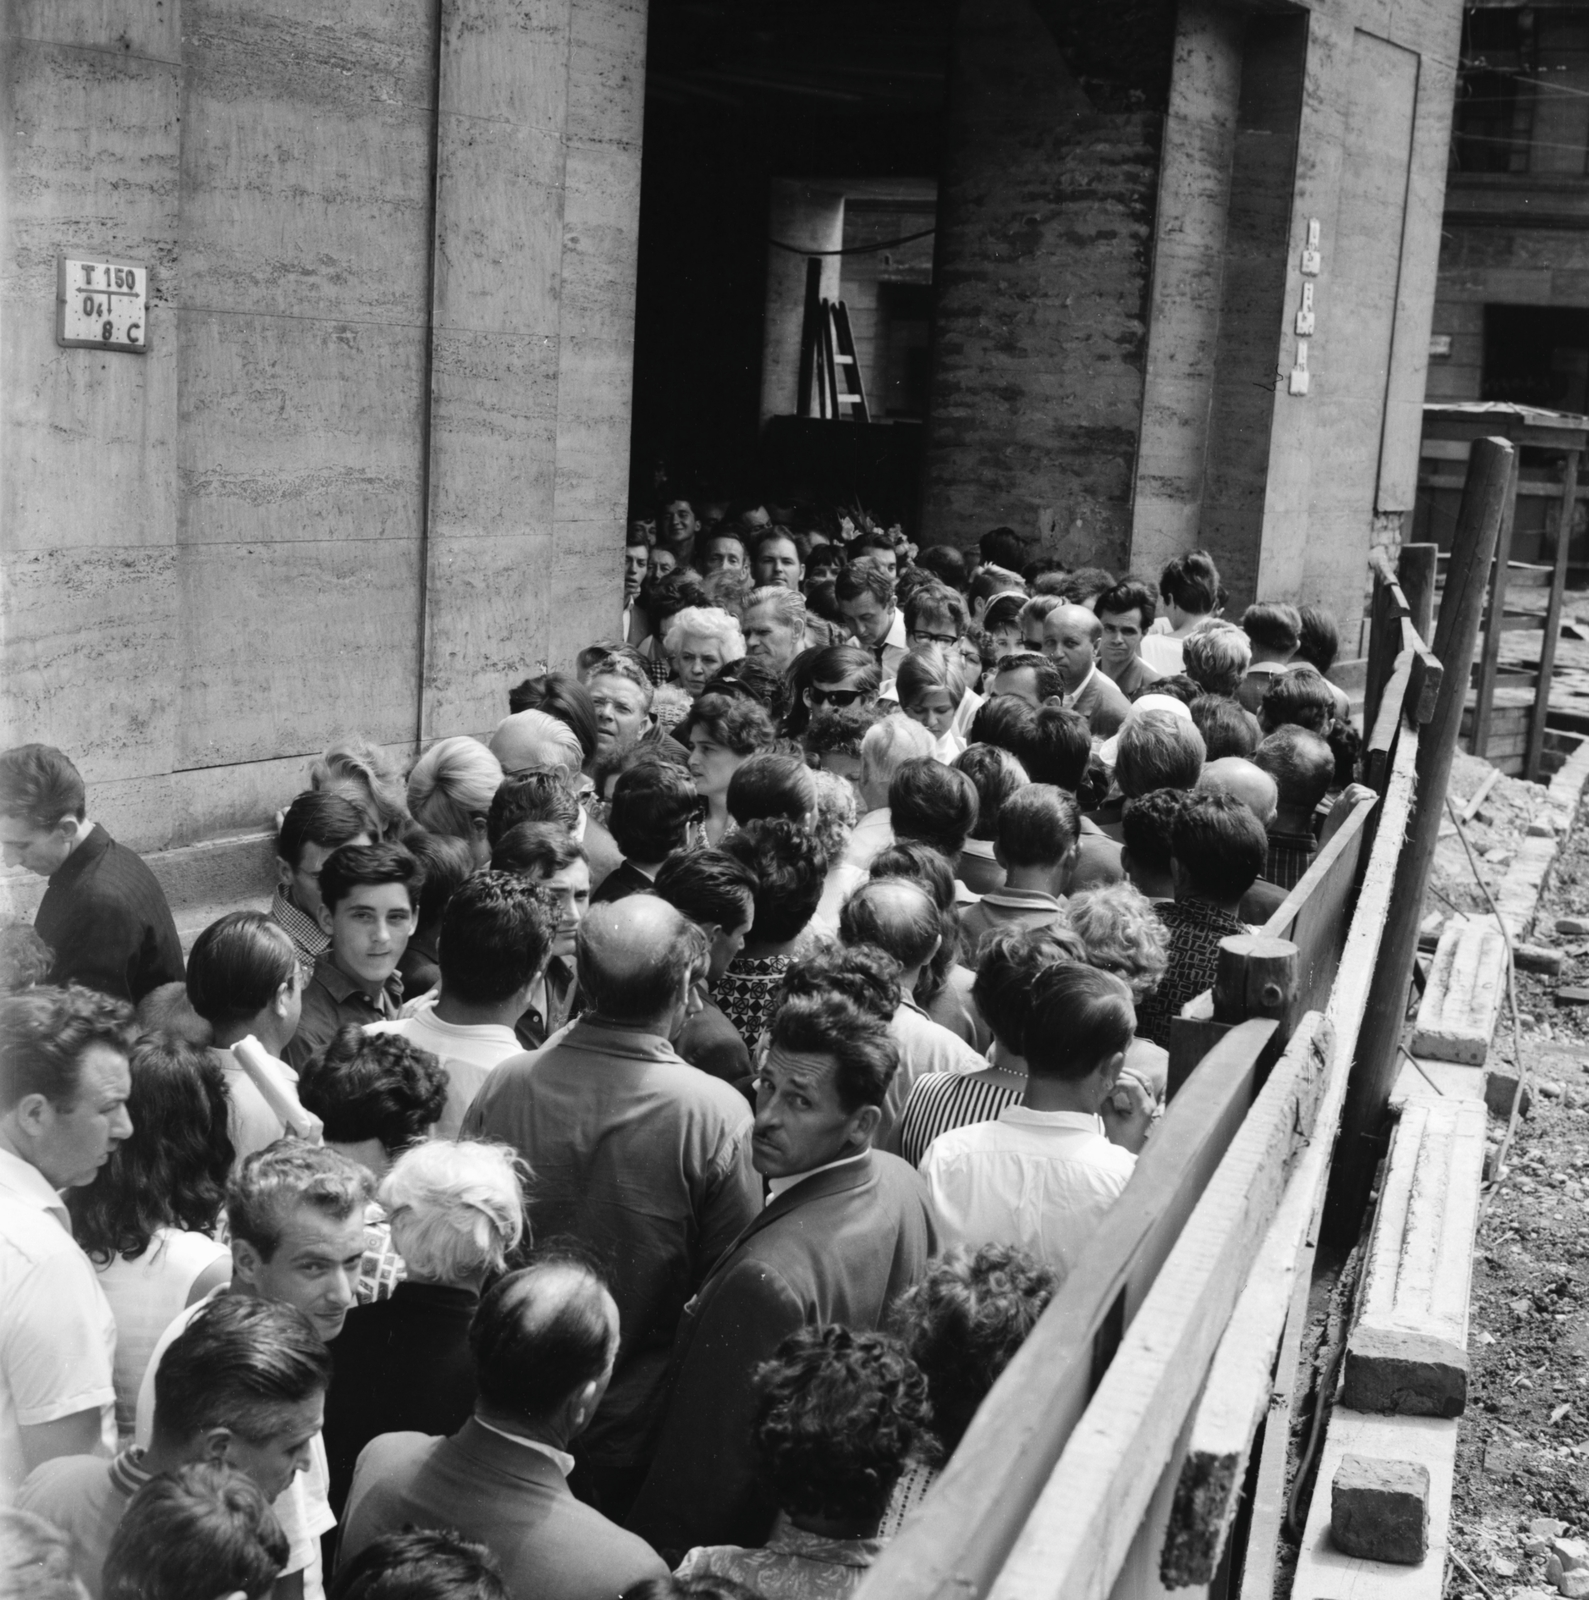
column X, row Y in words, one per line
column 828, row 361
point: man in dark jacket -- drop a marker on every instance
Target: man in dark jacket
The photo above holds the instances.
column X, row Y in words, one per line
column 846, row 1229
column 104, row 914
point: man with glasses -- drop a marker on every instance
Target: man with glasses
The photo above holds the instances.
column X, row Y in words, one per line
column 842, row 676
column 935, row 614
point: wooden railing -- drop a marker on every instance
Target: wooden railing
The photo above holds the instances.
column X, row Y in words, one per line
column 1111, row 1455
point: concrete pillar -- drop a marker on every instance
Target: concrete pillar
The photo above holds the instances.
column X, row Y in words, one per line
column 1040, row 289
column 537, row 204
column 810, row 218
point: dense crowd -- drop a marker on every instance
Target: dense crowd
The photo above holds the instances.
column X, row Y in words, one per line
column 628, row 1148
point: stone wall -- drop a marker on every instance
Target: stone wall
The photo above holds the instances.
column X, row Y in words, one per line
column 373, row 464
column 1045, row 224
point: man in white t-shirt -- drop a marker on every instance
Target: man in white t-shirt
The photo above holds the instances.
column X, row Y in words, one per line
column 495, row 935
column 243, row 1386
column 296, row 1218
column 64, row 1081
column 1042, row 1174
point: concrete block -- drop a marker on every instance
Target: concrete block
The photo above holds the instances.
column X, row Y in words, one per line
column 1462, row 1001
column 1500, row 1085
column 1406, row 1349
column 1379, row 1510
column 1405, row 1373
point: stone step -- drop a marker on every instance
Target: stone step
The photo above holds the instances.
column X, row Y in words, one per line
column 1407, row 1350
column 1457, row 1016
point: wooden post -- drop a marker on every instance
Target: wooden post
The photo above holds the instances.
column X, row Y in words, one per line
column 1415, row 572
column 1547, row 645
column 1490, row 660
column 1486, row 498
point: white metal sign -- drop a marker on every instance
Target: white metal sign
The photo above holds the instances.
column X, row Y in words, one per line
column 102, row 305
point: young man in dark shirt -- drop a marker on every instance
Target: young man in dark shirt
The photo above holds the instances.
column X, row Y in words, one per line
column 104, row 914
column 369, row 896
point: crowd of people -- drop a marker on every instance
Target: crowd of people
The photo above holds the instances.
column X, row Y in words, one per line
column 627, row 1149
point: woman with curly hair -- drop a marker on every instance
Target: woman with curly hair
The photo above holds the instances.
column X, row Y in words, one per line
column 723, row 733
column 1122, row 935
column 147, row 1220
column 790, row 869
column 961, row 1325
column 838, row 1416
column 377, row 1095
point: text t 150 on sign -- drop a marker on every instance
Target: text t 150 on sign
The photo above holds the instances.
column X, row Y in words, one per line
column 101, row 305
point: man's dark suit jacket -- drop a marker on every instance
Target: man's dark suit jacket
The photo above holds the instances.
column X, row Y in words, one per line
column 504, row 1495
column 624, row 880
column 105, row 916
column 836, row 1247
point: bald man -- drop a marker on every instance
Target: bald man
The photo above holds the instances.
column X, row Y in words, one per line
column 639, row 1156
column 1235, row 775
column 544, row 1340
column 1071, row 636
column 900, row 918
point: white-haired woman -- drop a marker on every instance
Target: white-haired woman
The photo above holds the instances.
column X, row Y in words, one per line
column 450, row 789
column 457, row 1214
column 699, row 641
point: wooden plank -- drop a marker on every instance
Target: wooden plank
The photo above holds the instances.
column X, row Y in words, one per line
column 958, row 1538
column 1490, row 653
column 1407, row 1349
column 1313, row 916
column 1348, row 1002
column 1238, row 1391
column 1382, row 735
column 1321, row 1568
column 1087, row 1516
column 1558, row 585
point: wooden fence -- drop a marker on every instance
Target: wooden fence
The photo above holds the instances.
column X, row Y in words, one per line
column 1111, row 1456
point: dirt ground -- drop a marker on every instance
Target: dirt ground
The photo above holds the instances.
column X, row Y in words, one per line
column 1524, row 1447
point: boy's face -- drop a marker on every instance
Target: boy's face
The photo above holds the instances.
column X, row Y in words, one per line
column 369, row 931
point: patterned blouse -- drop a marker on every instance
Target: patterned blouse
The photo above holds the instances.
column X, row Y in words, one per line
column 748, row 991
column 792, row 1565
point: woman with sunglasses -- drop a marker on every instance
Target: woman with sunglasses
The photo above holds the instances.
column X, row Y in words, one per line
column 723, row 733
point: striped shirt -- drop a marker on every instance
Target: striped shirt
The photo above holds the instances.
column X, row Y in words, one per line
column 1290, row 855
column 940, row 1101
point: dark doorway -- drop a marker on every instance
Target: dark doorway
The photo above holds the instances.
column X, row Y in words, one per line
column 1537, row 356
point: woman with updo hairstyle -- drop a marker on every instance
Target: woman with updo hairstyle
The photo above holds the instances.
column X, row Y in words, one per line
column 450, row 790
column 361, row 771
column 147, row 1221
column 560, row 695
column 790, row 869
column 1002, row 623
column 771, row 785
column 457, row 1219
column 722, row 732
column 839, row 1414
column 1121, row 934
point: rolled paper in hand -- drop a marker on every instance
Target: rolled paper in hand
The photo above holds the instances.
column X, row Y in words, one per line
column 274, row 1081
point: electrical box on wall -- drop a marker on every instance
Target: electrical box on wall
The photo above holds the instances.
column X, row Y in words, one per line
column 101, row 305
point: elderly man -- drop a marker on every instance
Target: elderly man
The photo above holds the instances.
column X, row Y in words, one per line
column 1303, row 767
column 888, row 745
column 621, row 691
column 544, row 1341
column 533, row 739
column 636, row 1154
column 865, row 595
column 775, row 626
column 846, row 1230
column 64, row 1082
column 1071, row 636
column 103, row 915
